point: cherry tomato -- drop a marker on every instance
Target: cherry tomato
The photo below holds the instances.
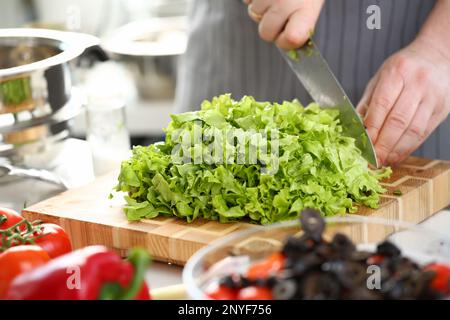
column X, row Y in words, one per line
column 441, row 281
column 255, row 293
column 17, row 260
column 9, row 218
column 54, row 240
column 223, row 293
column 264, row 269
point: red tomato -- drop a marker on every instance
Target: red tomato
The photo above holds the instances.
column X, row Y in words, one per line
column 9, row 218
column 17, row 260
column 375, row 259
column 54, row 240
column 223, row 293
column 264, row 269
column 441, row 281
column 255, row 293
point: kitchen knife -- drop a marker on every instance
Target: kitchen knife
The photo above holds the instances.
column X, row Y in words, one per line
column 314, row 73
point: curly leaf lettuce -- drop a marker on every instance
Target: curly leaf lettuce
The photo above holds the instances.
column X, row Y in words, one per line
column 317, row 167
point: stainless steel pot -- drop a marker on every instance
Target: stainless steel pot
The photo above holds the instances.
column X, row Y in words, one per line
column 35, row 77
column 32, row 136
column 37, row 96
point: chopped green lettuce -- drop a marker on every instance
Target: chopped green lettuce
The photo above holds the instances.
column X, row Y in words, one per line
column 317, row 167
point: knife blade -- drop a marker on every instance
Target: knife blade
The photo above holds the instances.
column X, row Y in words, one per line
column 319, row 81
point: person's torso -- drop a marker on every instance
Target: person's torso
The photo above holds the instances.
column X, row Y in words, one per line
column 226, row 55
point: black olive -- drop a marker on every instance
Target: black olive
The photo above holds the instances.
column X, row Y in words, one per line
column 388, row 249
column 303, row 265
column 313, row 224
column 245, row 282
column 296, row 247
column 324, row 250
column 236, row 281
column 399, row 291
column 230, row 281
column 385, row 274
column 321, row 286
column 334, row 266
column 343, row 246
column 284, row 290
column 260, row 282
column 349, row 274
column 402, row 268
column 415, row 284
column 393, row 289
column 272, row 281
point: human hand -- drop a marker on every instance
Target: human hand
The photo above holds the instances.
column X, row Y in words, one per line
column 406, row 100
column 288, row 23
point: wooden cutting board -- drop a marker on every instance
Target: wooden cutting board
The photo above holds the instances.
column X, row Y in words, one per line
column 91, row 218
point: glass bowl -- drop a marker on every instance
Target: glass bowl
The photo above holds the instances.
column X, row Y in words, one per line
column 235, row 253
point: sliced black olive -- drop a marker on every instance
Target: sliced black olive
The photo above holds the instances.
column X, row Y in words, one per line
column 272, row 281
column 236, row 281
column 296, row 247
column 321, row 286
column 230, row 281
column 243, row 282
column 402, row 268
column 325, row 251
column 388, row 249
column 334, row 266
column 313, row 224
column 285, row 290
column 349, row 274
column 393, row 289
column 260, row 282
column 343, row 245
column 303, row 265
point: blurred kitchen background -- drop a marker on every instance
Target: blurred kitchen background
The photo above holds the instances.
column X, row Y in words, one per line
column 125, row 101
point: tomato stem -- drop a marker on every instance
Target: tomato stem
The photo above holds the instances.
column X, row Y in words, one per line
column 14, row 236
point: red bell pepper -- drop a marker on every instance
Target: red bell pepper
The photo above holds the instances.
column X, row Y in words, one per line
column 90, row 273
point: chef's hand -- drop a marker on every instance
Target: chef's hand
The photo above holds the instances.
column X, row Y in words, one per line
column 288, row 23
column 406, row 100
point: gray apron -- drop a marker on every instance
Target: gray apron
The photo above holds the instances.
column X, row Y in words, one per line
column 226, row 55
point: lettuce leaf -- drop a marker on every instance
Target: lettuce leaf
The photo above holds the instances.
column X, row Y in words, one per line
column 317, row 167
